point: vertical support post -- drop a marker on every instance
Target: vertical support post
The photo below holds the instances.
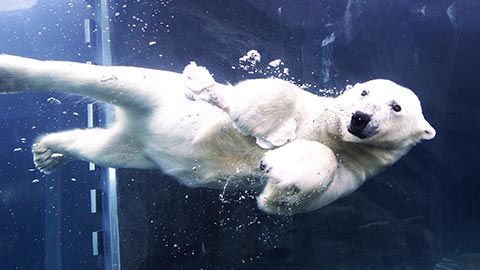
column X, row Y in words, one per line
column 111, row 241
column 104, row 52
column 53, row 250
column 53, row 218
column 91, row 166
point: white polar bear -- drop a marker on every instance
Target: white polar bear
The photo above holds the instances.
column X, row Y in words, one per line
column 299, row 150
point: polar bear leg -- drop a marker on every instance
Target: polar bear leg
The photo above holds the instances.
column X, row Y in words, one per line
column 135, row 88
column 263, row 108
column 297, row 174
column 105, row 147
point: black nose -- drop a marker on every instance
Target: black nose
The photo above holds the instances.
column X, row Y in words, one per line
column 359, row 120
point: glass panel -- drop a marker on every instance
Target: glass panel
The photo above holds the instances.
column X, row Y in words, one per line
column 46, row 221
column 422, row 213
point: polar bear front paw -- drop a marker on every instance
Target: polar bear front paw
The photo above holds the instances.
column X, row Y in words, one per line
column 45, row 159
column 198, row 81
column 297, row 175
column 200, row 85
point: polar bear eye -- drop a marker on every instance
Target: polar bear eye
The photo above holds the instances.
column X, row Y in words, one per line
column 364, row 93
column 396, row 107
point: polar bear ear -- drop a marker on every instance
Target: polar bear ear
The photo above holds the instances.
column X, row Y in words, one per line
column 428, row 132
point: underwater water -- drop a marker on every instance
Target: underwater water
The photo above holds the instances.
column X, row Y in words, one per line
column 421, row 213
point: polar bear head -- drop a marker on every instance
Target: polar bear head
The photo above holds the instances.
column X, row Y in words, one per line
column 382, row 113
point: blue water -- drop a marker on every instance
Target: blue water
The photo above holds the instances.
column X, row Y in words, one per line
column 422, row 213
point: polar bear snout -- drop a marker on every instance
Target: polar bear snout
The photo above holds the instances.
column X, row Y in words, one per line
column 359, row 120
column 359, row 125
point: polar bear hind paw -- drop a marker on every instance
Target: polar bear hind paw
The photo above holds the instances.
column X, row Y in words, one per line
column 45, row 159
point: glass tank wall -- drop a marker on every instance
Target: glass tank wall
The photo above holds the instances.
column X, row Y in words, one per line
column 421, row 213
column 50, row 221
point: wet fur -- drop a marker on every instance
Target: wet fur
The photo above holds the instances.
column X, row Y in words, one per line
column 157, row 127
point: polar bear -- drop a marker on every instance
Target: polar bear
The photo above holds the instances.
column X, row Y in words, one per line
column 300, row 151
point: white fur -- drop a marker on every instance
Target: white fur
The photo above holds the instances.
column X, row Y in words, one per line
column 313, row 159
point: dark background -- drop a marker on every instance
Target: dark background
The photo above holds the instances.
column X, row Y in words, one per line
column 412, row 216
column 422, row 213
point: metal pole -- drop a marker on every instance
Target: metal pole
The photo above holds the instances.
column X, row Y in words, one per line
column 109, row 176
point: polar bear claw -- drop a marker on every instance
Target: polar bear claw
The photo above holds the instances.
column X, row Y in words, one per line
column 46, row 159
